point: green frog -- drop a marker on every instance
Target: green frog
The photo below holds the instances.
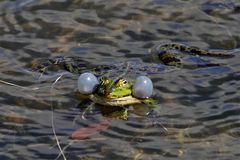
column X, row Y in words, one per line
column 118, row 93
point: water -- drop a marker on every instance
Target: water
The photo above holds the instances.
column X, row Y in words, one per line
column 198, row 113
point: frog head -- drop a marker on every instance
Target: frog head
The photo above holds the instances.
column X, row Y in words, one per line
column 114, row 88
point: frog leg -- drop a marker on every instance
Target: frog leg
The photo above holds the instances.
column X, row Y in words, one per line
column 44, row 65
column 192, row 50
column 71, row 64
column 88, row 109
column 169, row 58
column 71, row 67
column 74, row 64
column 115, row 112
column 167, row 53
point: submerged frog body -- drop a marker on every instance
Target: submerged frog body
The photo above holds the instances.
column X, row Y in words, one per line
column 118, row 91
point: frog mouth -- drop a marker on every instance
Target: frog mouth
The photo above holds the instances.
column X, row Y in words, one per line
column 122, row 101
column 110, row 101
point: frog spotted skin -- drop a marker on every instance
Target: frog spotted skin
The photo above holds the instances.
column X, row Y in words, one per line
column 118, row 92
column 167, row 56
column 165, row 52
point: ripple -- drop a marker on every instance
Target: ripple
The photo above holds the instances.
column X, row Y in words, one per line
column 198, row 110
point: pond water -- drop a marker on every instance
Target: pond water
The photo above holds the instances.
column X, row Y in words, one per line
column 197, row 116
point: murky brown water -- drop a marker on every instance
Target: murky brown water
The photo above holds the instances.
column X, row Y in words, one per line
column 198, row 113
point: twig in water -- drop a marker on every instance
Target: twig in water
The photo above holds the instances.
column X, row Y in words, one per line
column 52, row 121
column 63, row 149
column 87, row 109
column 18, row 86
column 73, row 141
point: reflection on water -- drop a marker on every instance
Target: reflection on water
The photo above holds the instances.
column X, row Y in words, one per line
column 198, row 110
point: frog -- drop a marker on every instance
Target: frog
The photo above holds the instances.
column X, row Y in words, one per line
column 120, row 91
column 117, row 92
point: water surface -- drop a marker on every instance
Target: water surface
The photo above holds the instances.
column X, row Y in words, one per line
column 197, row 116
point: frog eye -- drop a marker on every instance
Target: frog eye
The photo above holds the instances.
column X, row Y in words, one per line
column 143, row 87
column 87, row 83
column 121, row 83
column 124, row 81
